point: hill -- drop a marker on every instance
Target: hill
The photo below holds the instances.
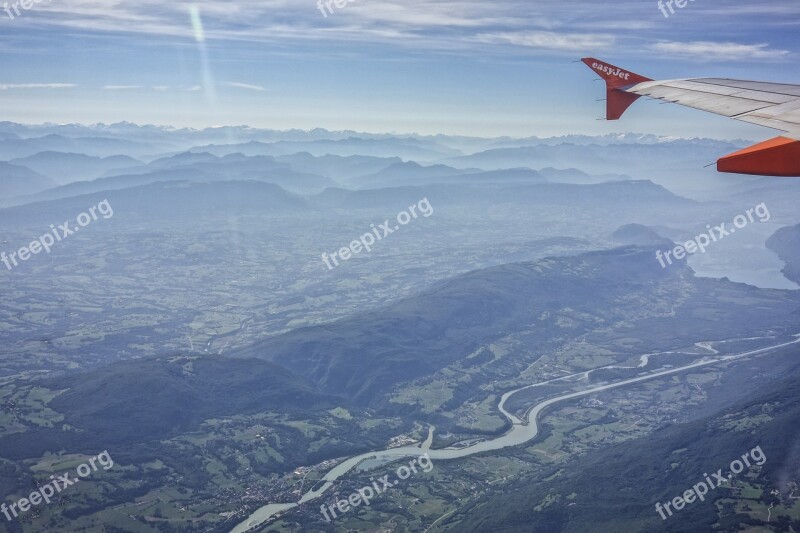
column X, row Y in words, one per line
column 640, row 235
column 786, row 243
column 16, row 180
column 139, row 401
column 364, row 356
column 69, row 167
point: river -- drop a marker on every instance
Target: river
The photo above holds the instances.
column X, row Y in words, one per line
column 520, row 433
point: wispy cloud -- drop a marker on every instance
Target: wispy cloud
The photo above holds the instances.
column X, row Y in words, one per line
column 121, row 87
column 716, row 51
column 546, row 40
column 248, row 86
column 10, row 86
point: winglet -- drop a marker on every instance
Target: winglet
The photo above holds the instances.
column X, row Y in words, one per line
column 617, row 80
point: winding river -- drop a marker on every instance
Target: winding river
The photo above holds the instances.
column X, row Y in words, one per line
column 521, row 431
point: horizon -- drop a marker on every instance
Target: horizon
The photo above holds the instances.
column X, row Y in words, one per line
column 174, row 128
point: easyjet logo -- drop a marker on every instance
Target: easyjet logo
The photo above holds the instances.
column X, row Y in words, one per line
column 611, row 71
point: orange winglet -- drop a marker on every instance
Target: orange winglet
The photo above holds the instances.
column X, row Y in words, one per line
column 776, row 157
column 617, row 79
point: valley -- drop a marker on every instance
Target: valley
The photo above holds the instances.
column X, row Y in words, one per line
column 522, row 431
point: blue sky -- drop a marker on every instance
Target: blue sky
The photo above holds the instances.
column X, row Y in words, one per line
column 426, row 66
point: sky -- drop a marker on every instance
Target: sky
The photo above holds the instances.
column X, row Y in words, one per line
column 481, row 68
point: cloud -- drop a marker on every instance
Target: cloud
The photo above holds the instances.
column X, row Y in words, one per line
column 546, row 40
column 247, row 86
column 446, row 26
column 9, row 86
column 443, row 25
column 121, row 87
column 431, row 13
column 718, row 51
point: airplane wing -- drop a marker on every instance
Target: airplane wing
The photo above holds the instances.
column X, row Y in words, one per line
column 774, row 105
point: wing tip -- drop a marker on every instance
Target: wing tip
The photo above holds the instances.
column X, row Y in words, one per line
column 617, row 79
